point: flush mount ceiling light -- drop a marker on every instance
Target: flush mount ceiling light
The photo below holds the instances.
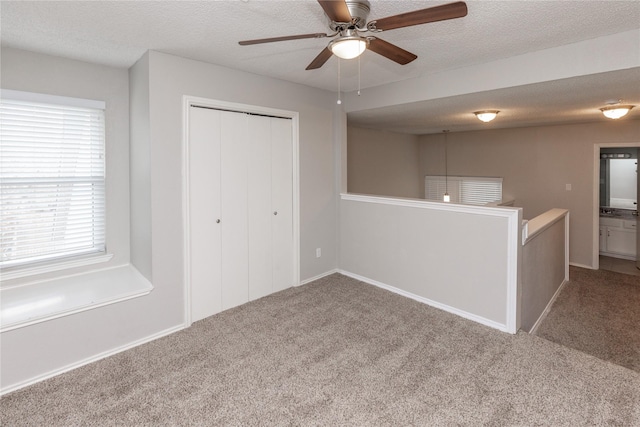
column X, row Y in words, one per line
column 348, row 47
column 486, row 115
column 615, row 111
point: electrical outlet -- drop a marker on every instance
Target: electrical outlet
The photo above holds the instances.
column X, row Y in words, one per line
column 318, row 252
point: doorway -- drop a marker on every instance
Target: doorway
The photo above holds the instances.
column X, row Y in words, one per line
column 616, row 235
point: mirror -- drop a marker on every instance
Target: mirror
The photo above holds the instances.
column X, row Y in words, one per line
column 618, row 182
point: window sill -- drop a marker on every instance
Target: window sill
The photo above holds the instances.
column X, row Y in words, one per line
column 16, row 273
column 26, row 305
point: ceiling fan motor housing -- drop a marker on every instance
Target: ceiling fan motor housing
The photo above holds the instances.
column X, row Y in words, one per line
column 359, row 11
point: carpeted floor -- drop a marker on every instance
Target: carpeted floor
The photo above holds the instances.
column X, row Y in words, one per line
column 598, row 312
column 336, row 352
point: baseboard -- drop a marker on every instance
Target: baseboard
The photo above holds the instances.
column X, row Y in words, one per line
column 319, row 276
column 575, row 264
column 444, row 307
column 91, row 359
column 547, row 308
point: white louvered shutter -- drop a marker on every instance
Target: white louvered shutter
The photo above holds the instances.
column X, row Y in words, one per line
column 52, row 181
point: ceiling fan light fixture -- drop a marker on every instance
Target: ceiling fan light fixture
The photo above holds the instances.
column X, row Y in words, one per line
column 486, row 115
column 616, row 111
column 348, row 47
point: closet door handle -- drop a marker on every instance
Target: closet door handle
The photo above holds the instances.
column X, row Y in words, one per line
column 217, row 221
column 275, row 212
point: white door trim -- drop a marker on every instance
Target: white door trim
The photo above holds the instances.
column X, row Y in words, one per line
column 187, row 102
column 595, row 262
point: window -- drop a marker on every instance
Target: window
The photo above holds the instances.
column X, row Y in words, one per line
column 52, row 178
column 469, row 190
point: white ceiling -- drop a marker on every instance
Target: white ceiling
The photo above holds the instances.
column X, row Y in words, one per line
column 573, row 100
column 117, row 33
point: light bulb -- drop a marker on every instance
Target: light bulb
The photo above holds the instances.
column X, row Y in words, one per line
column 616, row 111
column 348, row 47
column 487, row 115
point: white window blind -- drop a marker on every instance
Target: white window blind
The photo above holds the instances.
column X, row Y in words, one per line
column 464, row 189
column 52, row 180
column 435, row 187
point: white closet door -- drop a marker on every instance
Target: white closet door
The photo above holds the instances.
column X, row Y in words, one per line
column 282, row 203
column 260, row 213
column 240, row 208
column 233, row 177
column 204, row 211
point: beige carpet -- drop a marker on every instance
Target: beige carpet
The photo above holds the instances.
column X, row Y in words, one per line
column 598, row 312
column 336, row 352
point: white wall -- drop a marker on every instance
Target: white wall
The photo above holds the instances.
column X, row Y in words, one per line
column 383, row 163
column 536, row 164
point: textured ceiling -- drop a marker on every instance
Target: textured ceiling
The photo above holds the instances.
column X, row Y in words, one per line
column 117, row 33
column 574, row 100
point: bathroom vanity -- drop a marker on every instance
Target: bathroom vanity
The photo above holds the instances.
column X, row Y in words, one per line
column 618, row 233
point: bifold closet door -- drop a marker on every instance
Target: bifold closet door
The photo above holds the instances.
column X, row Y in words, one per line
column 260, row 214
column 270, row 205
column 240, row 208
column 204, row 213
column 282, row 203
column 218, row 150
column 234, row 154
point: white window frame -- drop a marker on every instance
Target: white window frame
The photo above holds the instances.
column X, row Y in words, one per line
column 72, row 261
column 436, row 185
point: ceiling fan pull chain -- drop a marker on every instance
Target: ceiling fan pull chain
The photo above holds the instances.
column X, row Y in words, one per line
column 339, row 100
column 358, row 76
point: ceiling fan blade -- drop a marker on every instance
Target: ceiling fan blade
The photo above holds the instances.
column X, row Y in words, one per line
column 336, row 10
column 285, row 38
column 320, row 59
column 391, row 51
column 423, row 16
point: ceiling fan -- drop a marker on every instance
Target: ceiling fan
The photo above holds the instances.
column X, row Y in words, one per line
column 349, row 21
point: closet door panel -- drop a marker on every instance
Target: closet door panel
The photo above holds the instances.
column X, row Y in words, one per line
column 204, row 183
column 234, row 164
column 282, row 202
column 260, row 214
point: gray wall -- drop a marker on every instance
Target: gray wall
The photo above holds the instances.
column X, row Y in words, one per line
column 383, row 163
column 543, row 271
column 140, row 166
column 67, row 340
column 536, row 164
column 32, row 72
column 457, row 257
column 158, row 82
column 170, row 78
